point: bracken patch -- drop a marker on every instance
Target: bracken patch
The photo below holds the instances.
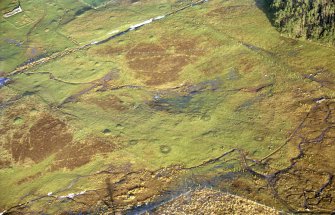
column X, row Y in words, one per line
column 109, row 102
column 47, row 136
column 80, row 153
column 161, row 63
column 110, row 51
column 29, row 178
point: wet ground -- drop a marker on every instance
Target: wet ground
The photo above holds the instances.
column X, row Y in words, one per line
column 211, row 96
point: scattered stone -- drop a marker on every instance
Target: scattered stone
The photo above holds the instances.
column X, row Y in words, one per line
column 205, row 117
column 33, row 111
column 206, row 201
column 119, row 126
column 259, row 138
column 133, row 142
column 18, row 120
column 107, row 131
column 165, row 149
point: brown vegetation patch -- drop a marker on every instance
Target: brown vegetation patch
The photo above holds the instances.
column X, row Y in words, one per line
column 147, row 49
column 40, row 136
column 4, row 163
column 29, row 178
column 245, row 64
column 118, row 189
column 163, row 71
column 158, row 64
column 206, row 201
column 109, row 51
column 137, row 188
column 80, row 153
column 109, row 102
column 124, row 190
column 47, row 136
column 187, row 46
column 214, row 65
column 307, row 189
column 308, row 184
column 314, row 126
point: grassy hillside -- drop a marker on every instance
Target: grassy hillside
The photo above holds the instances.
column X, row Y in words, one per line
column 212, row 95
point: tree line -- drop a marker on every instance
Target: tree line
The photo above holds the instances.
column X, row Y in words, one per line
column 310, row 19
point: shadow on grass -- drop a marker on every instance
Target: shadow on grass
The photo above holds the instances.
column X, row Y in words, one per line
column 265, row 6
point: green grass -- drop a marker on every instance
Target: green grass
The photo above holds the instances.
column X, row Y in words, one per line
column 196, row 128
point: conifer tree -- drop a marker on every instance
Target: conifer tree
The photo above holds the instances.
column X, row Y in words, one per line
column 310, row 19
